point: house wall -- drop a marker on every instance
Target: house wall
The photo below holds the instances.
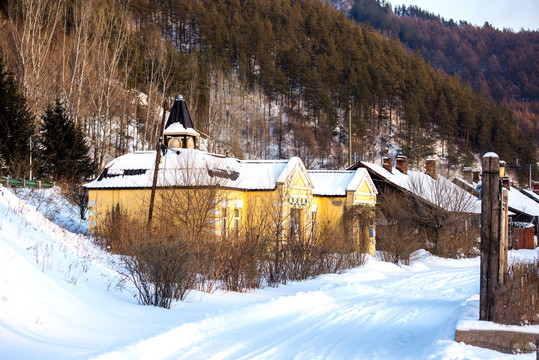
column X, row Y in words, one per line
column 251, row 206
column 244, row 210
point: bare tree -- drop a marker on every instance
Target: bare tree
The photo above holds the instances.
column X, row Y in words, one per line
column 110, row 37
column 397, row 235
column 447, row 214
column 158, row 69
column 76, row 59
column 34, row 25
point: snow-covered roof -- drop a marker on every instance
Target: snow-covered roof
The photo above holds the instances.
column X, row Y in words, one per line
column 177, row 128
column 179, row 115
column 190, row 167
column 530, row 194
column 440, row 192
column 523, row 225
column 520, row 202
column 337, row 183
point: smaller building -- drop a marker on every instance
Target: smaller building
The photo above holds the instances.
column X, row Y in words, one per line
column 348, row 197
column 426, row 186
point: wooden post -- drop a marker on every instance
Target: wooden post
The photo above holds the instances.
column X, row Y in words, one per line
column 350, row 134
column 504, row 230
column 490, row 236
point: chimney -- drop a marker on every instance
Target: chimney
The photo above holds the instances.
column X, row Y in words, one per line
column 535, row 186
column 402, row 164
column 502, row 168
column 431, row 168
column 476, row 176
column 386, row 163
column 505, row 183
column 468, row 176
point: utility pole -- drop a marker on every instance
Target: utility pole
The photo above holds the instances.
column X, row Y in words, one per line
column 350, row 134
column 530, row 176
column 157, row 161
column 31, row 144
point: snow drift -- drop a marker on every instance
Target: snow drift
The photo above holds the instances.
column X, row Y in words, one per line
column 58, row 300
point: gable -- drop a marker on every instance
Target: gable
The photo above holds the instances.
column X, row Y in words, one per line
column 298, row 180
column 293, row 169
column 364, row 188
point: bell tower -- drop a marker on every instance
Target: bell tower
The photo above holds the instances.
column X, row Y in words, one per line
column 179, row 131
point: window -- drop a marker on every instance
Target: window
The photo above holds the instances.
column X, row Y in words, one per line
column 313, row 219
column 237, row 221
column 223, row 222
column 295, row 222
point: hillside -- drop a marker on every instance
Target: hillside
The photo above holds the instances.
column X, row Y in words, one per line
column 502, row 63
column 58, row 301
column 261, row 81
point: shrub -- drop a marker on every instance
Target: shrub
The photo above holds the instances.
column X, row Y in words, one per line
column 454, row 242
column 397, row 233
column 517, row 299
column 166, row 260
column 159, row 262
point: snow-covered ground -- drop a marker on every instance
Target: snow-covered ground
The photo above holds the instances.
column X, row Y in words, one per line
column 54, row 207
column 58, row 300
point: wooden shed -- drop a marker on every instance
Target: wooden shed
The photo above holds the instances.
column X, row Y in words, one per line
column 523, row 235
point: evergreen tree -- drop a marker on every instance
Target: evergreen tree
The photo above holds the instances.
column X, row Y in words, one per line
column 16, row 124
column 64, row 152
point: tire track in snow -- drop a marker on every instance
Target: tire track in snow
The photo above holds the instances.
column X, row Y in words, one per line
column 396, row 317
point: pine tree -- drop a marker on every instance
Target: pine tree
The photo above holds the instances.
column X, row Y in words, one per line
column 64, row 152
column 16, row 124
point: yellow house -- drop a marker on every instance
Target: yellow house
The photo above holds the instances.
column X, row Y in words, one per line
column 213, row 195
column 222, row 196
column 346, row 199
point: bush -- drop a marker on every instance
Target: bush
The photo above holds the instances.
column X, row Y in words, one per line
column 517, row 299
column 396, row 242
column 240, row 264
column 166, row 260
column 454, row 242
column 397, row 234
column 157, row 261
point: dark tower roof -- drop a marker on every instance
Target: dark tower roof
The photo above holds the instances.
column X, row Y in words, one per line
column 180, row 114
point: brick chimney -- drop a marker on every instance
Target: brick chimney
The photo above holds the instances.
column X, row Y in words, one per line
column 535, row 186
column 476, row 176
column 505, row 183
column 386, row 163
column 402, row 164
column 468, row 176
column 431, row 168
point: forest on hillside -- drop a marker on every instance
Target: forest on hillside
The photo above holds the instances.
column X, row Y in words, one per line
column 261, row 79
column 502, row 63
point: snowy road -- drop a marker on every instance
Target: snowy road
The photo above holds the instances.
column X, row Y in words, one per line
column 57, row 301
column 377, row 312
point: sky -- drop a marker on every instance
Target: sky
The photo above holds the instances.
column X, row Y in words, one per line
column 514, row 14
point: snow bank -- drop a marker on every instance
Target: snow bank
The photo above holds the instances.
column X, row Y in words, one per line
column 56, row 302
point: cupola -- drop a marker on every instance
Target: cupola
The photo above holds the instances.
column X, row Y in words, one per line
column 179, row 131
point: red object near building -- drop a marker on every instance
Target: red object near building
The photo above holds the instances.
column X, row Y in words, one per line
column 523, row 236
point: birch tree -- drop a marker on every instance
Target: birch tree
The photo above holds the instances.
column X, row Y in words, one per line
column 76, row 59
column 34, row 25
column 111, row 36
